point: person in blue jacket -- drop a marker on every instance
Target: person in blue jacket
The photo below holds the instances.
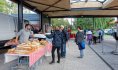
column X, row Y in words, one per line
column 56, row 42
column 79, row 39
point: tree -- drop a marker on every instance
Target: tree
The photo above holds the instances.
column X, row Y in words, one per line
column 59, row 21
column 85, row 23
column 93, row 23
column 3, row 4
column 8, row 7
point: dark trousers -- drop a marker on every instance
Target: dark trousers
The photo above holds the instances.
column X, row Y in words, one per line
column 95, row 39
column 100, row 38
column 53, row 53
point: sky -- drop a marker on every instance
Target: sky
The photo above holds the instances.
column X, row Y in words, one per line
column 70, row 20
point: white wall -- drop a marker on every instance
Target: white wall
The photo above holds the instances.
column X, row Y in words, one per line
column 7, row 27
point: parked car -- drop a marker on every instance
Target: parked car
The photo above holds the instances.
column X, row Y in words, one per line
column 109, row 31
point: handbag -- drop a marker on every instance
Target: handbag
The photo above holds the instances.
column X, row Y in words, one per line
column 83, row 44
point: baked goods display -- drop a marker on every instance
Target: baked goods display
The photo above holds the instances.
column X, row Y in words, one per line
column 43, row 42
column 11, row 42
column 29, row 47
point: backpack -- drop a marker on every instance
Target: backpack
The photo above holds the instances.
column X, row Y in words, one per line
column 100, row 33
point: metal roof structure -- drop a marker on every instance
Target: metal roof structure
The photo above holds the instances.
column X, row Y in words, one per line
column 73, row 8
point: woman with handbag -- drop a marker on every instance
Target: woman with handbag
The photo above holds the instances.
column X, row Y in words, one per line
column 79, row 39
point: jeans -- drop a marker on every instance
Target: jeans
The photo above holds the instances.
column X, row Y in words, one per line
column 53, row 53
column 63, row 50
column 89, row 41
column 95, row 39
column 99, row 39
column 81, row 53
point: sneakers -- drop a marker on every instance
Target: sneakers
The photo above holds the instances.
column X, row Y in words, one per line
column 58, row 61
column 63, row 57
column 52, row 62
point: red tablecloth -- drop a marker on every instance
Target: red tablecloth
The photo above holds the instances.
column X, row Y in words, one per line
column 38, row 54
column 33, row 57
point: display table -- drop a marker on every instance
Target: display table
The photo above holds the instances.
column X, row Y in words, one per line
column 32, row 57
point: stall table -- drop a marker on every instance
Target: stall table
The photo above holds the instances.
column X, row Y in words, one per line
column 32, row 57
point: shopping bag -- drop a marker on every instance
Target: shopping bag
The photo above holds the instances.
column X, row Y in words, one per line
column 83, row 44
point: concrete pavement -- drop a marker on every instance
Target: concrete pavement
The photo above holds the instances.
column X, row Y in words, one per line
column 108, row 46
column 90, row 61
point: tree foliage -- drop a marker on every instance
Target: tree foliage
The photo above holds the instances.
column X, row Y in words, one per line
column 8, row 7
column 59, row 21
column 93, row 23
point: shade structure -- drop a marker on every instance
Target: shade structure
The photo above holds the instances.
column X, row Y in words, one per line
column 64, row 8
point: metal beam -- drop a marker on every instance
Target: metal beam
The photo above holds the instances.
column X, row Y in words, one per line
column 55, row 11
column 112, row 7
column 91, row 8
column 45, row 4
column 77, row 9
column 20, row 14
column 86, row 8
column 82, row 9
column 82, row 16
column 52, row 5
column 33, row 8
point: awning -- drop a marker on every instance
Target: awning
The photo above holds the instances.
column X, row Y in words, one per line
column 65, row 8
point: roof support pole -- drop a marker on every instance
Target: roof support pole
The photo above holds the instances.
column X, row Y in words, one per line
column 117, row 27
column 49, row 21
column 93, row 23
column 41, row 22
column 20, row 14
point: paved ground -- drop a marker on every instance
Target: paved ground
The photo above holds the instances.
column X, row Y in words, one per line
column 109, row 45
column 90, row 62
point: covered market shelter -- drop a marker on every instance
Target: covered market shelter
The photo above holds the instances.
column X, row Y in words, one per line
column 67, row 8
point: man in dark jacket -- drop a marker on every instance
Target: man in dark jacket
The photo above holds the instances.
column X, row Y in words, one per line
column 57, row 43
column 79, row 39
column 65, row 39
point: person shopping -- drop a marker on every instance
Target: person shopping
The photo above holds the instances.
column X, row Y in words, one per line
column 56, row 43
column 65, row 39
column 79, row 39
column 89, row 37
column 95, row 37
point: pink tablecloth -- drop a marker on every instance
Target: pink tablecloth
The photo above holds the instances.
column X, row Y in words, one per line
column 38, row 54
column 33, row 57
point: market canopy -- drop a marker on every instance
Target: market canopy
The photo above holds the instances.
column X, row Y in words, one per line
column 70, row 8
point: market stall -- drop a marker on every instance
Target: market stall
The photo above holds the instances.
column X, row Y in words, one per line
column 33, row 50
